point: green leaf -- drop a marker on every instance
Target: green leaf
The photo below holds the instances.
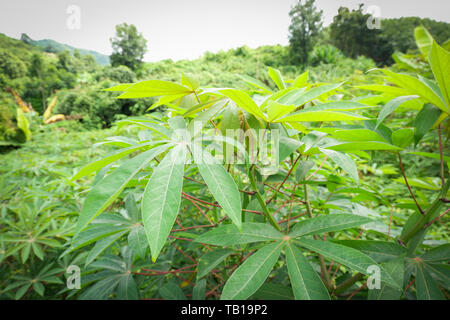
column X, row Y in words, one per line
column 109, row 188
column 344, row 161
column 102, row 289
column 199, row 291
column 153, row 88
column 286, row 146
column 162, row 197
column 380, row 251
column 243, row 101
column 255, row 82
column 196, row 125
column 127, row 288
column 314, row 93
column 210, row 260
column 425, row 120
column 303, row 169
column 220, row 183
column 403, row 137
column 385, row 89
column 270, row 291
column 97, row 165
column 137, row 240
column 395, row 268
column 189, row 81
column 301, row 80
column 359, row 134
column 347, row 256
column 22, row 290
column 276, row 76
column 438, row 254
column 427, row 288
column 339, row 106
column 249, row 276
column 39, row 288
column 170, row 291
column 102, row 245
column 391, row 106
column 417, row 87
column 276, row 110
column 424, row 40
column 227, row 235
column 120, row 87
column 366, row 145
column 38, row 251
column 431, row 155
column 327, row 223
column 305, row 282
column 319, row 116
column 440, row 64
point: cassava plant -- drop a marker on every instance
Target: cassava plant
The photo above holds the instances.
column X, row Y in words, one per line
column 260, row 193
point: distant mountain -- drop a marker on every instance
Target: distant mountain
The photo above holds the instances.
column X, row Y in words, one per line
column 53, row 46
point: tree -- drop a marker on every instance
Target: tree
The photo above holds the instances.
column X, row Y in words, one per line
column 349, row 33
column 129, row 47
column 306, row 23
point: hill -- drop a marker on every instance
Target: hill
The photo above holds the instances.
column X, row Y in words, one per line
column 49, row 45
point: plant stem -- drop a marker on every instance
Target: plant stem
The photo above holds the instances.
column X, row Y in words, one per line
column 347, row 283
column 441, row 154
column 407, row 183
column 323, row 267
column 260, row 199
column 284, row 180
column 429, row 214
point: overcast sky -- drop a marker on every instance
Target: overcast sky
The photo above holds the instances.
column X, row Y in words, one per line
column 179, row 29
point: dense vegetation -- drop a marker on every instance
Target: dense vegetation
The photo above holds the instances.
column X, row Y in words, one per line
column 354, row 177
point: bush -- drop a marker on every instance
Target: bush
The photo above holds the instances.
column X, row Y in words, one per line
column 325, row 54
column 98, row 109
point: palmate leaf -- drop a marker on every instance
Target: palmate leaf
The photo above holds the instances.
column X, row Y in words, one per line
column 220, row 183
column 380, row 251
column 102, row 245
column 228, row 235
column 427, row 288
column 309, row 95
column 270, row 291
column 363, row 145
column 109, row 188
column 425, row 120
column 440, row 64
column 344, row 161
column 438, row 254
column 347, row 256
column 137, row 240
column 276, row 76
column 305, row 282
column 250, row 275
column 396, row 268
column 243, row 101
column 327, row 223
column 162, row 197
column 97, row 165
column 391, row 106
column 153, row 88
column 417, row 87
column 424, row 40
column 319, row 116
column 210, row 260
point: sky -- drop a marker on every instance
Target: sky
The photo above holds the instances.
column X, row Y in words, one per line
column 177, row 29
